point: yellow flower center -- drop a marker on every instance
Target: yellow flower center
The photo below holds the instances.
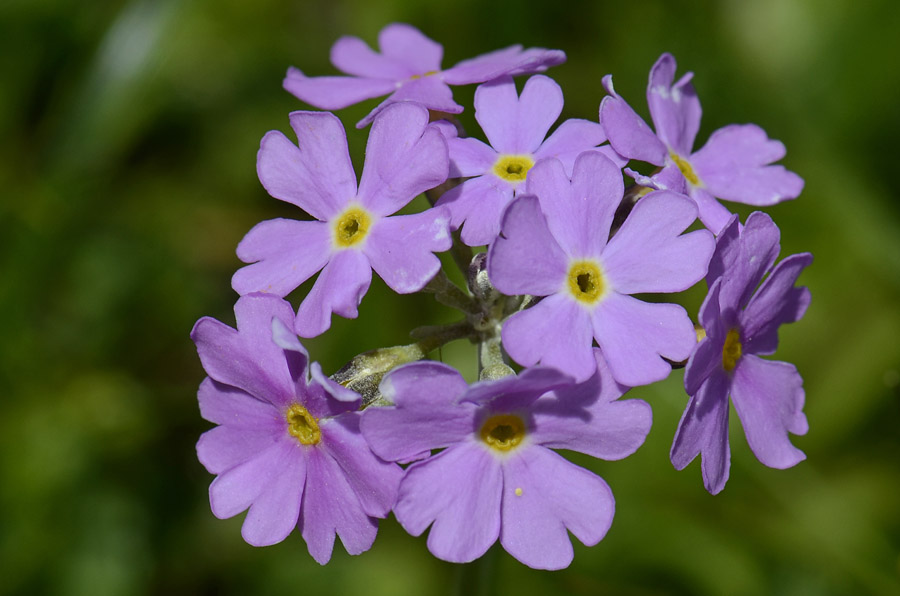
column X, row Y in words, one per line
column 427, row 74
column 302, row 425
column 686, row 169
column 513, row 168
column 351, row 227
column 503, row 431
column 586, row 281
column 732, row 350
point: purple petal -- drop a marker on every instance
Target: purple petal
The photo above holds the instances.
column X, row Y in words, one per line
column 586, row 419
column 375, row 482
column 628, row 134
column 579, row 213
column 347, row 397
column 479, row 203
column 571, row 138
column 247, row 358
column 635, row 336
column 543, row 495
column 339, row 289
column 526, row 259
column 404, row 157
column 703, row 429
column 777, row 302
column 400, row 248
column 459, row 490
column 274, row 513
column 354, row 56
column 334, row 93
column 743, row 257
column 711, row 212
column 224, row 404
column 733, row 166
column 316, row 175
column 669, row 178
column 407, row 45
column 516, row 392
column 768, row 397
column 648, row 255
column 224, row 447
column 508, row 61
column 539, row 105
column 430, row 92
column 235, row 490
column 675, row 109
column 284, row 253
column 555, row 332
column 470, row 157
column 330, row 506
column 324, row 398
column 426, row 415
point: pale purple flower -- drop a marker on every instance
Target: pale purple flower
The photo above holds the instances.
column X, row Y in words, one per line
column 287, row 446
column 556, row 244
column 353, row 235
column 741, row 322
column 515, row 126
column 497, row 476
column 733, row 165
column 408, row 68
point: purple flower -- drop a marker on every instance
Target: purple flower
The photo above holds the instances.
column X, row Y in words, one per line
column 742, row 322
column 353, row 234
column 287, row 447
column 515, row 127
column 497, row 476
column 556, row 244
column 408, row 69
column 733, row 165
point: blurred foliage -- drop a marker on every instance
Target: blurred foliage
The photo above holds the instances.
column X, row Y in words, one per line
column 129, row 131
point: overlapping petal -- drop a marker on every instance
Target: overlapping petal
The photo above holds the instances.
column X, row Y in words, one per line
column 675, row 109
column 334, row 92
column 775, row 303
column 628, row 134
column 513, row 61
column 400, row 249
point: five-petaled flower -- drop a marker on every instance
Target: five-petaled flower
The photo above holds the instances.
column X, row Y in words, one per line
column 287, row 446
column 740, row 322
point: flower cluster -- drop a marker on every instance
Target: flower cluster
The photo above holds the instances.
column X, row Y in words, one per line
column 559, row 293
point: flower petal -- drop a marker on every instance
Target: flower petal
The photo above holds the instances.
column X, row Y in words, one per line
column 733, row 166
column 247, row 358
column 274, row 513
column 628, row 134
column 768, row 397
column 224, row 447
column 526, row 259
column 555, row 332
column 675, row 109
column 470, row 157
column 543, row 495
column 579, row 213
column 777, row 302
column 711, row 212
column 354, row 57
column 407, row 45
column 648, row 255
column 511, row 61
column 459, row 490
column 400, row 248
column 404, row 157
column 330, row 506
column 479, row 204
column 425, row 416
column 743, row 257
column 703, row 429
column 284, row 253
column 635, row 336
column 334, row 93
column 235, row 490
column 339, row 289
column 224, row 404
column 315, row 175
column 374, row 481
column 571, row 138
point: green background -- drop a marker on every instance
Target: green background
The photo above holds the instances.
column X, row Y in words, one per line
column 128, row 136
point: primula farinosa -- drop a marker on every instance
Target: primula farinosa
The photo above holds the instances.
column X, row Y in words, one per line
column 741, row 322
column 556, row 244
column 408, row 68
column 733, row 165
column 353, row 235
column 287, row 446
column 497, row 476
column 515, row 126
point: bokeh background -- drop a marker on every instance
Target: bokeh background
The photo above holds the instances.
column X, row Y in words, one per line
column 128, row 136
